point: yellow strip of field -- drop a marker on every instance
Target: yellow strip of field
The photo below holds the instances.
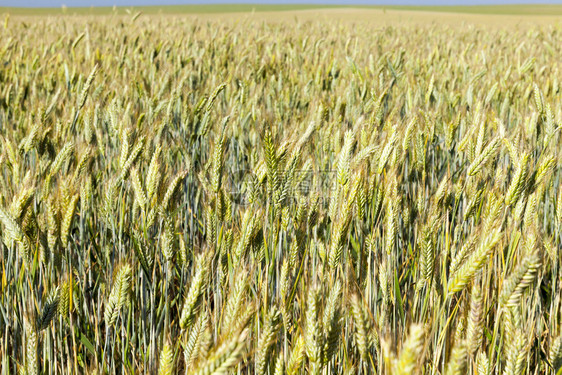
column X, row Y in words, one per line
column 379, row 16
column 390, row 17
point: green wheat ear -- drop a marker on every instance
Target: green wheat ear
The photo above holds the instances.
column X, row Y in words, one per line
column 483, row 158
column 362, row 327
column 475, row 321
column 457, row 362
column 225, row 357
column 518, row 182
column 331, row 321
column 482, row 363
column 266, row 340
column 192, row 347
column 31, row 350
column 297, row 356
column 166, row 366
column 49, row 310
column 411, row 349
column 193, row 298
column 555, row 354
column 474, row 263
column 119, row 294
column 313, row 338
column 520, row 279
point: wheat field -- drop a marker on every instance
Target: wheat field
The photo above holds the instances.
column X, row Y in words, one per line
column 199, row 195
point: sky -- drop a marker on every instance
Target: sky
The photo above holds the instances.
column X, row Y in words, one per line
column 87, row 3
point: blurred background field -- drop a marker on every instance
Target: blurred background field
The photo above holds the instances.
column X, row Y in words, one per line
column 516, row 9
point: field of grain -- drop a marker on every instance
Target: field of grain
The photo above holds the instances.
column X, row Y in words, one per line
column 325, row 191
